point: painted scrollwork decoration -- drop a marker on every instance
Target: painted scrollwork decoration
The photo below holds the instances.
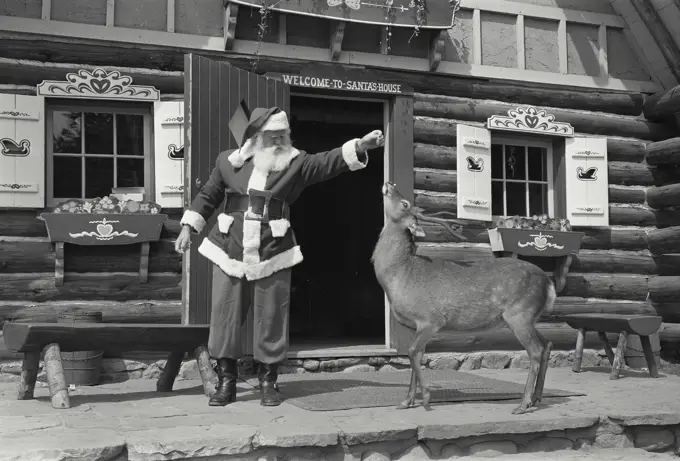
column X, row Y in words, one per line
column 12, row 148
column 531, row 120
column 98, row 84
column 14, row 186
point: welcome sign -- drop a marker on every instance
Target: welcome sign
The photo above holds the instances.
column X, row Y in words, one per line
column 339, row 78
column 435, row 14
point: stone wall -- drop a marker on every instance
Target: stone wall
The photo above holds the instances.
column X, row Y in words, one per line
column 117, row 370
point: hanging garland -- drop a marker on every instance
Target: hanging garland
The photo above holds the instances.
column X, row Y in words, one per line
column 420, row 17
column 389, row 15
column 265, row 14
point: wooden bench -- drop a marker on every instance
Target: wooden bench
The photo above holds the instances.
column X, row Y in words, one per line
column 623, row 325
column 32, row 338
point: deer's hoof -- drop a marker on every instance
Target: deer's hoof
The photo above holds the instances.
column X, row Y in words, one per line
column 520, row 410
column 404, row 405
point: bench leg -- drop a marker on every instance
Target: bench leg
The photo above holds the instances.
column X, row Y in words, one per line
column 29, row 375
column 649, row 356
column 55, row 377
column 170, row 372
column 59, row 264
column 607, row 348
column 578, row 353
column 618, row 357
column 208, row 376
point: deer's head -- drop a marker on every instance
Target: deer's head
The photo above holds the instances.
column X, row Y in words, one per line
column 406, row 216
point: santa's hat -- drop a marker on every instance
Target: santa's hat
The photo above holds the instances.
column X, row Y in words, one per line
column 244, row 125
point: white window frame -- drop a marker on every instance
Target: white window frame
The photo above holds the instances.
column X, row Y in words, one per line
column 528, row 142
column 109, row 107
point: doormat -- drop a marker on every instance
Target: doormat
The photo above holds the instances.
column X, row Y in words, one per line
column 344, row 391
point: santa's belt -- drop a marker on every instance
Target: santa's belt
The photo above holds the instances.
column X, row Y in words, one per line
column 258, row 205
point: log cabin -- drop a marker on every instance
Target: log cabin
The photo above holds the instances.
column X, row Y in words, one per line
column 95, row 94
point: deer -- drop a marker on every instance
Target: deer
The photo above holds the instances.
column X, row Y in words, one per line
column 432, row 295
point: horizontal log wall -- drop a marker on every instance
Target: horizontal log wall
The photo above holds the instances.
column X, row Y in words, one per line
column 627, row 268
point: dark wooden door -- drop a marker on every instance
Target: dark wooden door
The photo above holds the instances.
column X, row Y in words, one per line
column 212, row 91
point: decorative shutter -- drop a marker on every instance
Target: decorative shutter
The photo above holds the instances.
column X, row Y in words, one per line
column 22, row 151
column 169, row 153
column 587, row 181
column 474, row 172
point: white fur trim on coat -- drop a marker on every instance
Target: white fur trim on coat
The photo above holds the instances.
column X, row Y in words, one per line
column 349, row 154
column 239, row 269
column 194, row 220
column 276, row 122
column 224, row 222
column 229, row 266
column 252, row 228
column 279, row 227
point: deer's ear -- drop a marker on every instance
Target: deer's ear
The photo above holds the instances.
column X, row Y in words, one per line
column 416, row 230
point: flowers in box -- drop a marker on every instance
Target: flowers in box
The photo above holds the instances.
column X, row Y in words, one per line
column 538, row 222
column 107, row 205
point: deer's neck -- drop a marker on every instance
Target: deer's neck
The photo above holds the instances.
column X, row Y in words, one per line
column 393, row 255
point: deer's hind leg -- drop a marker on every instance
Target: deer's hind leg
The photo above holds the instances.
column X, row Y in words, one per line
column 543, row 369
column 522, row 325
column 415, row 354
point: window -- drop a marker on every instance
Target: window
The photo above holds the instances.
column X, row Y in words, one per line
column 93, row 149
column 521, row 177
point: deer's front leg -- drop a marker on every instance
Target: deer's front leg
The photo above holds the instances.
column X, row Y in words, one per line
column 415, row 353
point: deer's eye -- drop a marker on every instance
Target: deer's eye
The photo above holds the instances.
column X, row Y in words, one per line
column 405, row 204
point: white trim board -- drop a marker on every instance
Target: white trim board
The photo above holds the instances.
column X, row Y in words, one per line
column 216, row 44
column 446, row 67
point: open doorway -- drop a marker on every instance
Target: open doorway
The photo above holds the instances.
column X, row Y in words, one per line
column 336, row 299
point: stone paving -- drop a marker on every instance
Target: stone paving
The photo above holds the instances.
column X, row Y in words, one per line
column 130, row 421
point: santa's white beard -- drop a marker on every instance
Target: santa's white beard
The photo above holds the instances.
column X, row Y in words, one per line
column 275, row 158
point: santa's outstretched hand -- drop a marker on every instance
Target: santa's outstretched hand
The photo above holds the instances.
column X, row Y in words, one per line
column 372, row 140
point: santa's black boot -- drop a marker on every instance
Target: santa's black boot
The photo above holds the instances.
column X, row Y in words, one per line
column 268, row 374
column 227, row 372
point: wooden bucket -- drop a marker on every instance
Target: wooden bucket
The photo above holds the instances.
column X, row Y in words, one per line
column 81, row 368
column 635, row 356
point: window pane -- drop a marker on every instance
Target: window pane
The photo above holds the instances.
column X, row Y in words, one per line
column 497, row 198
column 98, row 133
column 537, row 164
column 66, row 133
column 98, row 177
column 538, row 199
column 515, row 162
column 129, row 134
column 497, row 161
column 68, row 176
column 130, row 172
column 517, row 198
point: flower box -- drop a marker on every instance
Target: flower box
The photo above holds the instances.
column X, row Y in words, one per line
column 104, row 221
column 103, row 229
column 535, row 242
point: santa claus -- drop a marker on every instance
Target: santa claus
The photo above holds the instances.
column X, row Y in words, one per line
column 252, row 247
